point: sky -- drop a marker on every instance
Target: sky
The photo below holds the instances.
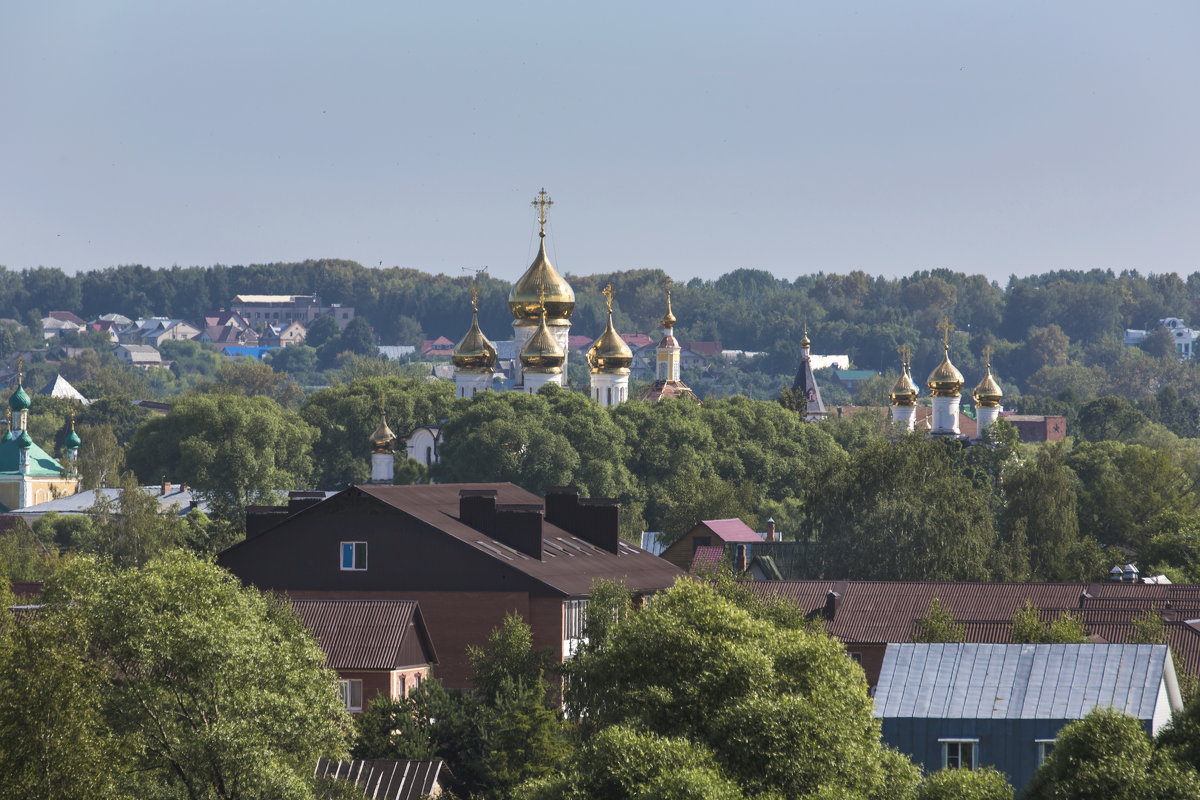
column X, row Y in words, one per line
column 697, row 137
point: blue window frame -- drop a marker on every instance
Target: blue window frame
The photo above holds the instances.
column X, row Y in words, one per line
column 354, row 555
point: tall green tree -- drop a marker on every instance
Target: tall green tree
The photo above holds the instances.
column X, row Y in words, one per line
column 1040, row 508
column 900, row 511
column 1108, row 755
column 731, row 699
column 236, row 451
column 189, row 686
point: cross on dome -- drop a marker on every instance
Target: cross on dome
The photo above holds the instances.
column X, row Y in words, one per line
column 541, row 203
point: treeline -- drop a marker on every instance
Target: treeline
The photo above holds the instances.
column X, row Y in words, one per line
column 1048, row 331
column 873, row 503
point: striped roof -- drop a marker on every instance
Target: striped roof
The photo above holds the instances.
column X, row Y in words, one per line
column 386, row 779
column 707, row 558
column 1021, row 681
column 364, row 634
column 863, row 612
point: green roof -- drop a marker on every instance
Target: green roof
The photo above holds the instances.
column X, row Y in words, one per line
column 41, row 464
column 19, row 399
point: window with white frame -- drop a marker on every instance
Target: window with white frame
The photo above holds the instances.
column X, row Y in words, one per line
column 350, row 692
column 1044, row 748
column 574, row 612
column 354, row 555
column 959, row 753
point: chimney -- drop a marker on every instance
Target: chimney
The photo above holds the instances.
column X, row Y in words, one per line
column 1130, row 574
column 595, row 521
column 1114, row 574
column 515, row 526
column 832, row 599
column 166, row 487
column 1083, row 596
column 771, row 530
column 741, row 564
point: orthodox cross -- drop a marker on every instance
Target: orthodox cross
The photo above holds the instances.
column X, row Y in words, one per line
column 608, row 296
column 475, row 285
column 945, row 326
column 905, row 354
column 987, row 356
column 541, row 203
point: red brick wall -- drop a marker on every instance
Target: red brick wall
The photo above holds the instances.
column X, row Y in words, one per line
column 870, row 656
column 546, row 618
column 375, row 683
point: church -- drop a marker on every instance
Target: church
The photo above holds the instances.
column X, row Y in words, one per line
column 28, row 474
column 541, row 302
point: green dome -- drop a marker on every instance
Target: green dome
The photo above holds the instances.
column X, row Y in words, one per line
column 24, row 442
column 19, row 400
column 72, row 440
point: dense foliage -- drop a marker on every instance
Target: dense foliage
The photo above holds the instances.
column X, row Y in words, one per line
column 170, row 680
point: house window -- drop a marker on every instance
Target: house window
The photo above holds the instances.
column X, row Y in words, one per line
column 573, row 613
column 856, row 658
column 701, row 541
column 404, row 686
column 350, row 692
column 354, row 555
column 959, row 753
column 1044, row 748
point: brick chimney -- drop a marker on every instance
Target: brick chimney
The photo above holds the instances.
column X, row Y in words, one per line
column 595, row 521
column 741, row 563
column 515, row 526
column 166, row 487
column 771, row 537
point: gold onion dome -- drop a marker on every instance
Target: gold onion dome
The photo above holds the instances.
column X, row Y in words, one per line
column 805, row 341
column 475, row 353
column 610, row 353
column 988, row 393
column 542, row 353
column 669, row 320
column 524, row 300
column 945, row 380
column 383, row 440
column 904, row 392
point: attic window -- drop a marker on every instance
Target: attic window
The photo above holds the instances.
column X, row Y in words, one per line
column 354, row 556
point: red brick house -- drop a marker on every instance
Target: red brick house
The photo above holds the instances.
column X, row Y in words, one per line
column 377, row 647
column 867, row 615
column 467, row 553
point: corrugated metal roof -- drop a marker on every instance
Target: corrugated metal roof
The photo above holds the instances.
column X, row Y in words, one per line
column 1019, row 681
column 731, row 530
column 883, row 611
column 707, row 558
column 363, row 634
column 385, row 779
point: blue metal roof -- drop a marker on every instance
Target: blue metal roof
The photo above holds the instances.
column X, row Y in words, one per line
column 1019, row 681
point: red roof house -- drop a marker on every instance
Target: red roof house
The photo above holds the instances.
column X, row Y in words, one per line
column 707, row 533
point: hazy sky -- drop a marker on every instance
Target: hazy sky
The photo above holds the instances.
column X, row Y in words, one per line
column 698, row 137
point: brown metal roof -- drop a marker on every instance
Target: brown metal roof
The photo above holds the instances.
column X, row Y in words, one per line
column 386, row 779
column 364, row 634
column 568, row 565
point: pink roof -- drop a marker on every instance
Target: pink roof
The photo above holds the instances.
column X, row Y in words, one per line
column 731, row 530
column 578, row 342
column 707, row 558
column 636, row 339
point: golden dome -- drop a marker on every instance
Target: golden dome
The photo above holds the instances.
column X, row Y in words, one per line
column 610, row 353
column 945, row 380
column 383, row 440
column 668, row 320
column 524, row 299
column 904, row 392
column 542, row 353
column 805, row 341
column 475, row 353
column 988, row 394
